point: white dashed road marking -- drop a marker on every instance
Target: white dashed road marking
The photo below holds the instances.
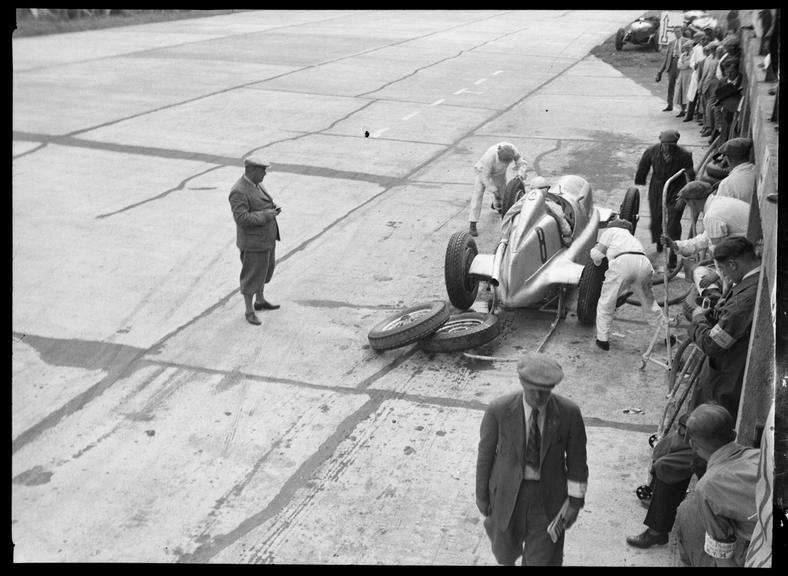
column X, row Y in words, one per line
column 438, row 102
column 379, row 132
column 461, row 90
column 497, row 72
column 409, row 116
column 480, row 80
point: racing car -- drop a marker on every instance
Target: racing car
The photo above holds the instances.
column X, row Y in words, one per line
column 534, row 263
column 641, row 32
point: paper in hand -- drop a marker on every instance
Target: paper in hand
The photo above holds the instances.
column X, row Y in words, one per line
column 556, row 527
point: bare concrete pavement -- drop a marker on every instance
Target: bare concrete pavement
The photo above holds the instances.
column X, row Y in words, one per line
column 151, row 423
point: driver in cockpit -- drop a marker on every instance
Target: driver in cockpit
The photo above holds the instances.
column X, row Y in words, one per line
column 554, row 208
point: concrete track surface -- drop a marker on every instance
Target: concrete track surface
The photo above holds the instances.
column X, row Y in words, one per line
column 151, row 423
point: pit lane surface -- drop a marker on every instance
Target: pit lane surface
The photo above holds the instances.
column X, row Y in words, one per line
column 151, row 423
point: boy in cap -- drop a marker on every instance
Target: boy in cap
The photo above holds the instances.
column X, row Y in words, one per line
column 491, row 177
column 257, row 231
column 740, row 182
column 531, row 463
column 664, row 160
column 628, row 266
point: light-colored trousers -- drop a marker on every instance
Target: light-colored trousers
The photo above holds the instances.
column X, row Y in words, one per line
column 624, row 271
column 478, row 193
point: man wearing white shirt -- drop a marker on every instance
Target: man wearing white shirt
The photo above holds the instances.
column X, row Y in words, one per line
column 491, row 177
column 628, row 266
column 740, row 182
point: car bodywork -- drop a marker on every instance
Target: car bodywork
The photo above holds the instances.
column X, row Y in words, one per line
column 531, row 261
column 641, row 32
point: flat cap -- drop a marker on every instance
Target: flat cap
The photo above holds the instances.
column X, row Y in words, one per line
column 539, row 371
column 737, row 147
column 669, row 136
column 256, row 161
column 695, row 189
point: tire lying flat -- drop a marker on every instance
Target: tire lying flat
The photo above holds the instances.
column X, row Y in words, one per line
column 409, row 325
column 462, row 331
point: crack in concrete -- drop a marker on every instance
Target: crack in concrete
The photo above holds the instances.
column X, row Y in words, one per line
column 441, row 61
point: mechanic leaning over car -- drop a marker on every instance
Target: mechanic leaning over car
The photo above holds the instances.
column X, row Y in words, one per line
column 628, row 266
column 664, row 160
column 491, row 177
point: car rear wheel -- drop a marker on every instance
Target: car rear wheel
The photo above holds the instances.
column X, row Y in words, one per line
column 515, row 189
column 620, row 39
column 409, row 325
column 588, row 291
column 462, row 331
column 630, row 207
column 460, row 285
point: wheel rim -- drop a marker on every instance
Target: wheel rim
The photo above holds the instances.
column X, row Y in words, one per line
column 459, row 325
column 406, row 319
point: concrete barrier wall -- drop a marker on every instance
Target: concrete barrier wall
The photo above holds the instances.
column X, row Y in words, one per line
column 758, row 389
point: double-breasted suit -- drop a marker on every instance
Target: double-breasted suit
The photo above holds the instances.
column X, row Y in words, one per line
column 255, row 224
column 500, row 465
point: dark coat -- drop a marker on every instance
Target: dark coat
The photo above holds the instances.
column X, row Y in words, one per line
column 725, row 344
column 255, row 222
column 661, row 171
column 499, row 467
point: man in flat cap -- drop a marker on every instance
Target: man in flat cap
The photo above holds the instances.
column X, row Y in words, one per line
column 257, row 231
column 722, row 217
column 740, row 182
column 664, row 160
column 491, row 177
column 531, row 467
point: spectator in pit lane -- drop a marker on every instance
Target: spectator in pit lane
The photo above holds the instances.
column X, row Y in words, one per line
column 740, row 182
column 257, row 232
column 684, row 76
column 670, row 65
column 708, row 85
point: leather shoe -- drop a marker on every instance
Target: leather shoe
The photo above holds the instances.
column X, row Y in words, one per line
column 668, row 109
column 253, row 319
column 603, row 344
column 680, row 114
column 647, row 539
column 265, row 305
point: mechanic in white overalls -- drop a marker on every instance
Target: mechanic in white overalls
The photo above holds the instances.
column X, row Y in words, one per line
column 628, row 266
column 491, row 177
column 722, row 217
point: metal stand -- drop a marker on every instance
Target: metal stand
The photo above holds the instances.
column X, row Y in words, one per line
column 664, row 323
column 560, row 313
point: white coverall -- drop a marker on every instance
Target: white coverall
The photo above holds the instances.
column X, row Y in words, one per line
column 722, row 217
column 491, row 176
column 624, row 271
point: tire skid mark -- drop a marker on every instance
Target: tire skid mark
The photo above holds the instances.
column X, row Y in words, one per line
column 215, row 544
column 538, row 159
column 331, row 471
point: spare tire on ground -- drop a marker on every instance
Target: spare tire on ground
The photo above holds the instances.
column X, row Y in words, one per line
column 462, row 331
column 409, row 325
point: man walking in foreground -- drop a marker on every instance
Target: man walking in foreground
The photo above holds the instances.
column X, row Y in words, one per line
column 531, row 467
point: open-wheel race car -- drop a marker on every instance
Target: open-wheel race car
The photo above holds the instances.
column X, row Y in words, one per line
column 641, row 32
column 534, row 263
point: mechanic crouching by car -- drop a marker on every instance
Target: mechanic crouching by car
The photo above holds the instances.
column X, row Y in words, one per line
column 628, row 266
column 664, row 160
column 491, row 177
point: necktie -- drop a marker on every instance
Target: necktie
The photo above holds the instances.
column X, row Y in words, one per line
column 534, row 441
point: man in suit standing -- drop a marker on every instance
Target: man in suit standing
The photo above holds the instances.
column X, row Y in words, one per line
column 670, row 65
column 532, row 460
column 255, row 215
